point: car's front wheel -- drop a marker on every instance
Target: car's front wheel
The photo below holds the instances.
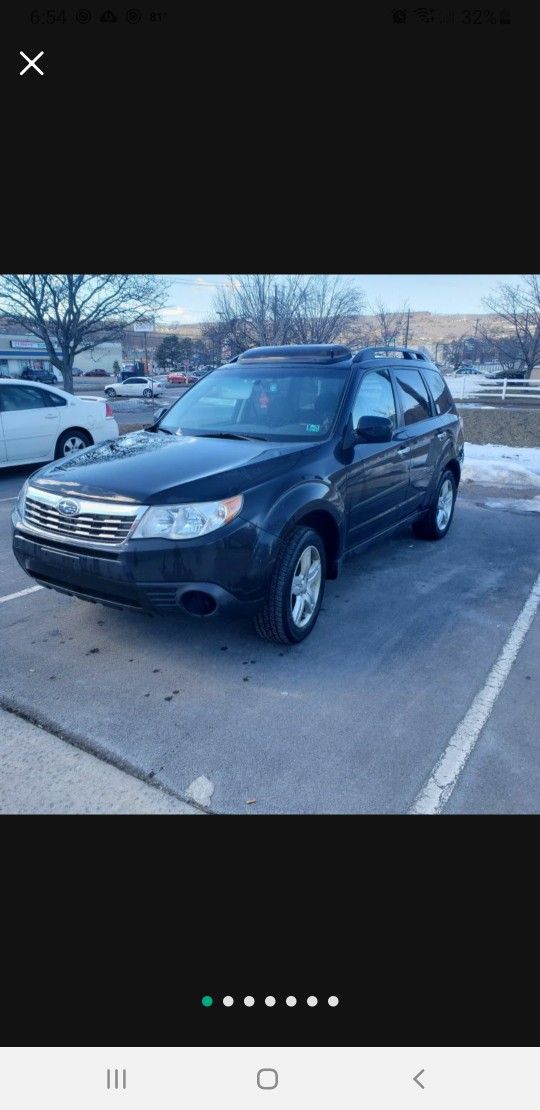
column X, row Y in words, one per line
column 296, row 589
column 147, row 393
column 72, row 440
column 110, row 392
column 435, row 524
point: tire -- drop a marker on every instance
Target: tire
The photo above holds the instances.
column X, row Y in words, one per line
column 286, row 618
column 110, row 392
column 147, row 393
column 71, row 441
column 436, row 522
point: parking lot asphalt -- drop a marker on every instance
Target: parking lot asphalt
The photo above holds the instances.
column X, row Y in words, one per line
column 353, row 720
column 128, row 410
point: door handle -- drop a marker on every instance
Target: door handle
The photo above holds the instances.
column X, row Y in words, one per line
column 50, row 416
column 403, row 450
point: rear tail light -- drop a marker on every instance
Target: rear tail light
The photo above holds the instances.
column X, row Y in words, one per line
column 108, row 409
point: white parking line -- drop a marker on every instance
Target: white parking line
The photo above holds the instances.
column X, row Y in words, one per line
column 446, row 772
column 8, row 498
column 20, row 593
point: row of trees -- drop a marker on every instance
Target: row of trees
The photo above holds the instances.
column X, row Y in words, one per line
column 172, row 352
column 259, row 309
column 71, row 313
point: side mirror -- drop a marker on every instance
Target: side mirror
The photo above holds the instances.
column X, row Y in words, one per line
column 375, row 429
column 160, row 412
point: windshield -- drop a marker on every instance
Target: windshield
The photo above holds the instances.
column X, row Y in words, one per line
column 272, row 402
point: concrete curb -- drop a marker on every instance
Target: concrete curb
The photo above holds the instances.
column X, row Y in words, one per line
column 46, row 770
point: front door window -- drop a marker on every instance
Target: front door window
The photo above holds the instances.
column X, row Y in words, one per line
column 375, row 397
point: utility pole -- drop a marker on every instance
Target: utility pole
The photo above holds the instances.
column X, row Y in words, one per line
column 275, row 309
column 145, row 356
column 407, row 328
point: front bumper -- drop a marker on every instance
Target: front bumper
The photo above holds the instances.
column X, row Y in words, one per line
column 215, row 574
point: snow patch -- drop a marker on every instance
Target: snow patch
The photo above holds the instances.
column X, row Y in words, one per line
column 497, row 464
column 201, row 790
column 519, row 505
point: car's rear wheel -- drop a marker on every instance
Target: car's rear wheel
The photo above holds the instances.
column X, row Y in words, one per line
column 72, row 440
column 110, row 392
column 296, row 589
column 435, row 524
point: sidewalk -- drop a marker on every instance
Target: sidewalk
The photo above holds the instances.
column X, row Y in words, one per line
column 39, row 773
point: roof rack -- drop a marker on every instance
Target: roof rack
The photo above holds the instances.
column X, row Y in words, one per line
column 326, row 353
column 368, row 353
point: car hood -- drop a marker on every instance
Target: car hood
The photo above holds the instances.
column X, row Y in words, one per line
column 155, row 468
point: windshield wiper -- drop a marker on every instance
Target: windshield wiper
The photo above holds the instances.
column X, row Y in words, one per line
column 226, row 435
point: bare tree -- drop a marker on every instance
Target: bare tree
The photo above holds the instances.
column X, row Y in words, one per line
column 388, row 325
column 518, row 310
column 260, row 308
column 71, row 313
column 459, row 350
column 265, row 309
column 220, row 336
column 328, row 311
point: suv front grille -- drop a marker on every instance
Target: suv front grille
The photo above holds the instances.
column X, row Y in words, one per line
column 99, row 527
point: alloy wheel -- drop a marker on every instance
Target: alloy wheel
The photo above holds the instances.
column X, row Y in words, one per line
column 445, row 504
column 306, row 586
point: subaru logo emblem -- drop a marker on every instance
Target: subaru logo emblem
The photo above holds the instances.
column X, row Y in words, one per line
column 68, row 508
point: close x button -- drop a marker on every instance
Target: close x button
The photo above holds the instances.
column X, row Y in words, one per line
column 31, row 63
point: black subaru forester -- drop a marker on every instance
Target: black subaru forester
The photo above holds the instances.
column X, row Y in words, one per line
column 248, row 491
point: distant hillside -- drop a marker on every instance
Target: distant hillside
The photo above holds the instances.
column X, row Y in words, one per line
column 428, row 328
column 425, row 329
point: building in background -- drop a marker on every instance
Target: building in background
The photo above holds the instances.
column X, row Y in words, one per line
column 21, row 350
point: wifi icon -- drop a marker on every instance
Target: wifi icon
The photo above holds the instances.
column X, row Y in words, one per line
column 108, row 17
column 425, row 15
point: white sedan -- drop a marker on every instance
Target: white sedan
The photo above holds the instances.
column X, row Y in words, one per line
column 41, row 422
column 135, row 387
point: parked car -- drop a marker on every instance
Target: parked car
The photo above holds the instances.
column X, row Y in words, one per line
column 38, row 423
column 77, row 371
column 134, row 387
column 181, row 377
column 247, row 493
column 97, row 373
column 45, row 376
column 468, row 370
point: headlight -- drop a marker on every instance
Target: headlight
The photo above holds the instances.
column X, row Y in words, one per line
column 186, row 522
column 22, row 498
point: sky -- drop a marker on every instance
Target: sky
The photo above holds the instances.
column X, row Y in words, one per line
column 191, row 295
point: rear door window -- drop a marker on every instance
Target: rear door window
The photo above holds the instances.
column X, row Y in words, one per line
column 414, row 396
column 52, row 399
column 439, row 391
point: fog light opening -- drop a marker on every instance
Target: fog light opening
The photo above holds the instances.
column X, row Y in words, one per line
column 197, row 603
